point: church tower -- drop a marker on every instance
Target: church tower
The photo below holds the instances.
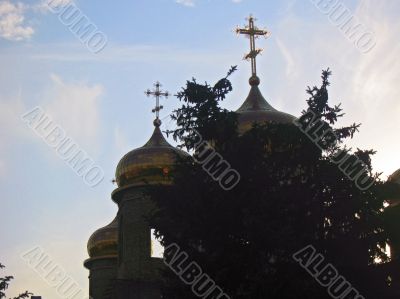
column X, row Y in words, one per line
column 102, row 264
column 137, row 269
column 121, row 263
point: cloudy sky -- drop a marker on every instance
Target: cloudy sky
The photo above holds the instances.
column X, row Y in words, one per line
column 97, row 97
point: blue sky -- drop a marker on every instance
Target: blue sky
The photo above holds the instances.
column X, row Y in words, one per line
column 98, row 98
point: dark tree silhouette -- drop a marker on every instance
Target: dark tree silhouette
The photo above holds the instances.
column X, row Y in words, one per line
column 290, row 195
column 5, row 282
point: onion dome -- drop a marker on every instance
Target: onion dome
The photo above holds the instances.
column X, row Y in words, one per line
column 395, row 177
column 256, row 109
column 391, row 218
column 149, row 164
column 104, row 241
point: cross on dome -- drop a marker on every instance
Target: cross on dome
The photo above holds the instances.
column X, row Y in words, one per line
column 157, row 93
column 252, row 32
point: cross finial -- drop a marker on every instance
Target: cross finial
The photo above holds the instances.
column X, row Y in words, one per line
column 252, row 32
column 157, row 93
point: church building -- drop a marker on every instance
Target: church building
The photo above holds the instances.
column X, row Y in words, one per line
column 122, row 262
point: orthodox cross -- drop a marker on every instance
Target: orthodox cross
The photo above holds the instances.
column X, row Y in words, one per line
column 157, row 93
column 252, row 32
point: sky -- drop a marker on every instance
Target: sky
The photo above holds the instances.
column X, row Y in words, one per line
column 96, row 97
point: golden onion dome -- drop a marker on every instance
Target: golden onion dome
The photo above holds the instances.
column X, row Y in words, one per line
column 104, row 241
column 256, row 109
column 151, row 163
column 391, row 217
column 395, row 177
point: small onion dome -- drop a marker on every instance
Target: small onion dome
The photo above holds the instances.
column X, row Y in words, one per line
column 104, row 241
column 151, row 163
column 395, row 177
column 391, row 218
column 256, row 109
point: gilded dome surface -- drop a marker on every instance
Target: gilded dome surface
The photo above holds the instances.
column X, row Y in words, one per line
column 150, row 163
column 104, row 241
column 256, row 109
column 395, row 177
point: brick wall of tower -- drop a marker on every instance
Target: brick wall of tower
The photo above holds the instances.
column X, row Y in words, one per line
column 102, row 276
column 138, row 272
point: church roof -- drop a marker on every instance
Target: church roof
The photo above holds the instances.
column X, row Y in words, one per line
column 104, row 241
column 150, row 163
column 395, row 177
column 256, row 109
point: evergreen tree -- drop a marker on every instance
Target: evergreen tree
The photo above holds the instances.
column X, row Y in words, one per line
column 291, row 194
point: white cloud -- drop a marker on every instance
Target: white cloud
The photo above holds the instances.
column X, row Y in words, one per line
column 72, row 106
column 12, row 21
column 365, row 83
column 129, row 53
column 121, row 142
column 46, row 5
column 189, row 3
column 374, row 86
column 75, row 107
column 11, row 108
column 12, row 17
column 11, row 129
column 287, row 55
column 192, row 3
column 2, row 169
